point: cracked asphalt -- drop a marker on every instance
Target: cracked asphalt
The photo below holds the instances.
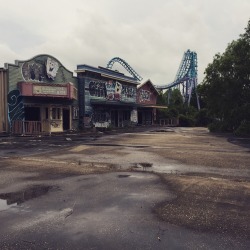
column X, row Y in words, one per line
column 119, row 191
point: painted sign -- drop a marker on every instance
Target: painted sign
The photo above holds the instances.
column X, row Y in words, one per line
column 50, row 90
column 134, row 116
column 51, row 68
column 40, row 69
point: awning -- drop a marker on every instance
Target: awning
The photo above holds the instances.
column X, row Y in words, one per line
column 152, row 106
column 112, row 103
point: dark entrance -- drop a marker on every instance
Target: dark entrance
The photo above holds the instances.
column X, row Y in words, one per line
column 114, row 118
column 32, row 113
column 66, row 119
column 139, row 117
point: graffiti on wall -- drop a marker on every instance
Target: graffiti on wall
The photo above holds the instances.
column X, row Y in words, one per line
column 97, row 89
column 100, row 116
column 144, row 95
column 15, row 106
column 112, row 91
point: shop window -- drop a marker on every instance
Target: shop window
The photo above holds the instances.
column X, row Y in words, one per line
column 56, row 113
column 75, row 112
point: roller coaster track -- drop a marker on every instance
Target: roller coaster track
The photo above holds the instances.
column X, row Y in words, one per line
column 125, row 65
column 186, row 77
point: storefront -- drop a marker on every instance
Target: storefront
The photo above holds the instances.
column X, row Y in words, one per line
column 146, row 99
column 42, row 96
column 107, row 98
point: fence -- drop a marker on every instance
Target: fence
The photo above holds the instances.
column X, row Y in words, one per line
column 26, row 127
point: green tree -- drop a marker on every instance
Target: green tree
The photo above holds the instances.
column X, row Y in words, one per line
column 227, row 84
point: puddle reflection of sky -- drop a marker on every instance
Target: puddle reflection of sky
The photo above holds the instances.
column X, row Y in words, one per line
column 4, row 205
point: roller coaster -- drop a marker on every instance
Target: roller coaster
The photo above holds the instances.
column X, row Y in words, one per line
column 125, row 65
column 185, row 79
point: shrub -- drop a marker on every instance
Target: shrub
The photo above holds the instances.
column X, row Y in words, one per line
column 185, row 121
column 219, row 126
column 243, row 129
column 202, row 118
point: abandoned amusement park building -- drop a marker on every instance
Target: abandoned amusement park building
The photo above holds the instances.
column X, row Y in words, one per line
column 40, row 95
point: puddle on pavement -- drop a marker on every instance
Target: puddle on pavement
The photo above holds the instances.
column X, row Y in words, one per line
column 8, row 200
column 162, row 130
column 4, row 205
column 123, row 175
column 184, row 169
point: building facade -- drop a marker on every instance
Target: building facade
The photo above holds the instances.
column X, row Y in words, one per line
column 107, row 98
column 42, row 96
column 4, row 126
column 146, row 100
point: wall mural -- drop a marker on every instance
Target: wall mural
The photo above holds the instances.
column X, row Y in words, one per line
column 51, row 68
column 39, row 70
column 112, row 91
column 144, row 95
column 15, row 106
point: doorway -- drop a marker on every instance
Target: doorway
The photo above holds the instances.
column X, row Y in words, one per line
column 32, row 113
column 66, row 120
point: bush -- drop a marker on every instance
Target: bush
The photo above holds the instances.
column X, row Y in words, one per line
column 243, row 129
column 202, row 118
column 218, row 126
column 185, row 121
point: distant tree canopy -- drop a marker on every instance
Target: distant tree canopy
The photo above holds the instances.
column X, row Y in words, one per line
column 225, row 91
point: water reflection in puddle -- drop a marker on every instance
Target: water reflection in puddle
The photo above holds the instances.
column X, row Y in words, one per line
column 4, row 205
column 8, row 200
column 184, row 169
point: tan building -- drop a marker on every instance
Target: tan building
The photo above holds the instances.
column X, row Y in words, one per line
column 3, row 101
column 42, row 96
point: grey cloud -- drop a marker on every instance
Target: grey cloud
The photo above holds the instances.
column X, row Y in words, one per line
column 151, row 37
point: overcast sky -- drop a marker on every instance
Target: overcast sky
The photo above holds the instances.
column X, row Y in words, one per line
column 151, row 36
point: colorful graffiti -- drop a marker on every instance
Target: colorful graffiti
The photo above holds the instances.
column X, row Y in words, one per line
column 15, row 106
column 112, row 91
column 97, row 89
column 144, row 95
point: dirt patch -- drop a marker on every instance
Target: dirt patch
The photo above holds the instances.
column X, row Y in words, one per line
column 50, row 167
column 208, row 204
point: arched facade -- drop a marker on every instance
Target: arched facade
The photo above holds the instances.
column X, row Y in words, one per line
column 42, row 96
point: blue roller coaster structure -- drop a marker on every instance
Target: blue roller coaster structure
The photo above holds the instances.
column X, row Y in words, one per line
column 125, row 65
column 185, row 79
